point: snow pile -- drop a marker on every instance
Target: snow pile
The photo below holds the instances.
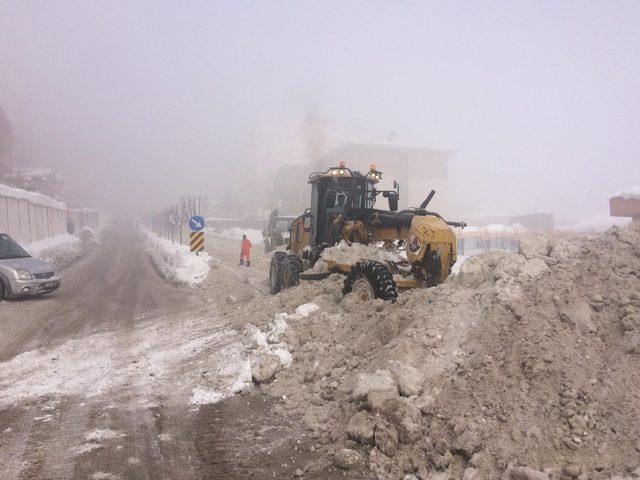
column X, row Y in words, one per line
column 459, row 261
column 175, row 261
column 523, row 362
column 269, row 342
column 61, row 250
column 344, row 253
column 307, row 309
column 230, row 376
column 269, row 346
column 235, row 233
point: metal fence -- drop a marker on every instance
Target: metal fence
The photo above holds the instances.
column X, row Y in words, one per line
column 470, row 243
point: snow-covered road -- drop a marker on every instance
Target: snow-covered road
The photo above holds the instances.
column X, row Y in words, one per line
column 120, row 374
column 102, row 379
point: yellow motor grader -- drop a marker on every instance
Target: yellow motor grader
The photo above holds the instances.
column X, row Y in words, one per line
column 342, row 208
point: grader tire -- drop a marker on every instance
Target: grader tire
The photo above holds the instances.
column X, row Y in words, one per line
column 275, row 272
column 291, row 269
column 371, row 280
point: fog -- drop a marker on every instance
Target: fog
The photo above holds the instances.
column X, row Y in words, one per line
column 141, row 102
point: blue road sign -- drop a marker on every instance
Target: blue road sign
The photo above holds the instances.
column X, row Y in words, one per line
column 196, row 223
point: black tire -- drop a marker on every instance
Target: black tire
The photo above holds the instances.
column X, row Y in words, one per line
column 267, row 247
column 275, row 272
column 377, row 276
column 291, row 269
column 3, row 291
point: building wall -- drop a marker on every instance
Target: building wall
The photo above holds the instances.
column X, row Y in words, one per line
column 29, row 220
column 625, row 207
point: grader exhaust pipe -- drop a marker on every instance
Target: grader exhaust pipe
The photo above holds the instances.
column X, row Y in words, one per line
column 424, row 204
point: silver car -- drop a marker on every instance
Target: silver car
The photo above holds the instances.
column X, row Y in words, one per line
column 21, row 274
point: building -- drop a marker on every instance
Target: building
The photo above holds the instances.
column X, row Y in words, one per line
column 290, row 151
column 417, row 168
column 626, row 203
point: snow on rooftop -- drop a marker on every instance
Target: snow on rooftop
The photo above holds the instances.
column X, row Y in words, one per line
column 33, row 197
column 632, row 193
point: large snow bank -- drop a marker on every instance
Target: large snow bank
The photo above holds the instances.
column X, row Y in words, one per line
column 600, row 223
column 33, row 197
column 235, row 233
column 60, row 250
column 175, row 261
column 632, row 193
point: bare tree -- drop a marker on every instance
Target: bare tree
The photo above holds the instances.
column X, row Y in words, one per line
column 165, row 215
column 177, row 214
column 156, row 223
column 174, row 219
column 191, row 206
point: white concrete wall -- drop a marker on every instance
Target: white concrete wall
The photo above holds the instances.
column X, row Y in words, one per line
column 30, row 219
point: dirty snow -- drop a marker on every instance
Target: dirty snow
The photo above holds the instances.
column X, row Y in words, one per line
column 104, row 476
column 203, row 397
column 102, row 435
column 559, row 329
column 307, row 309
column 350, row 254
column 459, row 261
column 272, row 339
column 100, row 364
column 175, row 261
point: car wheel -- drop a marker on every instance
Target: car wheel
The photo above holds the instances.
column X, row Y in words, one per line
column 3, row 290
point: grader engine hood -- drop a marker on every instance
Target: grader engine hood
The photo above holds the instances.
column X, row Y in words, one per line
column 431, row 234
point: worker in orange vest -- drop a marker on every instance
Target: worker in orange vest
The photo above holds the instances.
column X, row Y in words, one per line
column 245, row 251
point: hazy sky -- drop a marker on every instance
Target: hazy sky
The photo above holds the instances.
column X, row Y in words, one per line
column 146, row 99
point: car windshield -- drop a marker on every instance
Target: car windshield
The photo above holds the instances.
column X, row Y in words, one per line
column 10, row 249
